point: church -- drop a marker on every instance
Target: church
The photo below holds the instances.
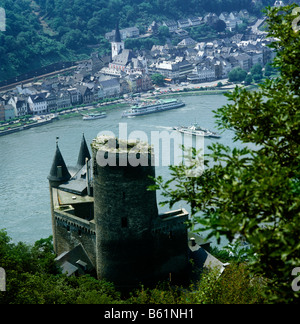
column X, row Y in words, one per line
column 124, row 61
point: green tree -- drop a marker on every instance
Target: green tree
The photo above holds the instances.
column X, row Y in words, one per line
column 158, row 79
column 256, row 69
column 237, row 75
column 269, row 70
column 254, row 191
column 163, row 32
column 256, row 72
column 219, row 25
column 257, row 77
column 248, row 79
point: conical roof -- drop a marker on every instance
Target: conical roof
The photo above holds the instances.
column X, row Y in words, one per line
column 59, row 171
column 84, row 153
column 118, row 38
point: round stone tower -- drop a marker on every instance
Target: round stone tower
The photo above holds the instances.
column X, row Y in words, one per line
column 124, row 211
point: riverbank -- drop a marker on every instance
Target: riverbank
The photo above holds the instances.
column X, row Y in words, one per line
column 12, row 130
column 182, row 91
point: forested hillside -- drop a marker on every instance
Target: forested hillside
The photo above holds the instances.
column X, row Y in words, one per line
column 24, row 46
column 42, row 32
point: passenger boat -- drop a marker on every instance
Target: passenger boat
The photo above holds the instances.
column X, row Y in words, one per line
column 197, row 130
column 94, row 116
column 154, row 107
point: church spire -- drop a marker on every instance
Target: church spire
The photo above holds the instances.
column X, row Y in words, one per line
column 117, row 45
column 59, row 172
column 118, row 38
column 84, row 153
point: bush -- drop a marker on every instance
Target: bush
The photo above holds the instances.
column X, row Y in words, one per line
column 235, row 286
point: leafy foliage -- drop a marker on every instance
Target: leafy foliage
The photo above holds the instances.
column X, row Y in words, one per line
column 24, row 46
column 32, row 278
column 253, row 192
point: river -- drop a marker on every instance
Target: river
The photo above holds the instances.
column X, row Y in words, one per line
column 26, row 158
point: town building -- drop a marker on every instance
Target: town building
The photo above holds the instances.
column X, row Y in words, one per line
column 37, row 104
column 174, row 71
column 2, row 110
column 20, row 105
column 9, row 112
column 108, row 89
column 130, row 32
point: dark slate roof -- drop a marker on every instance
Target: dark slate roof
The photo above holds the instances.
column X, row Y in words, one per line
column 75, row 262
column 117, row 34
column 110, row 83
column 124, row 57
column 77, row 184
column 58, row 161
column 84, row 154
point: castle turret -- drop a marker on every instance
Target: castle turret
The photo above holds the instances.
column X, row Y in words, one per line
column 124, row 211
column 84, row 154
column 59, row 172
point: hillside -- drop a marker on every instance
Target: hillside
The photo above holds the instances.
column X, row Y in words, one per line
column 42, row 32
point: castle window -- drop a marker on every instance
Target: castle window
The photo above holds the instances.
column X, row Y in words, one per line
column 124, row 222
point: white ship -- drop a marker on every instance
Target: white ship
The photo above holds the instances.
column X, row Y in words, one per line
column 197, row 130
column 154, row 107
column 94, row 116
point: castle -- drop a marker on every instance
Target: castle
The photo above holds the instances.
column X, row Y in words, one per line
column 105, row 220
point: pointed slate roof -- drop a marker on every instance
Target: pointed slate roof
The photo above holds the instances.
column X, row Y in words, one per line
column 117, row 35
column 84, row 153
column 58, row 162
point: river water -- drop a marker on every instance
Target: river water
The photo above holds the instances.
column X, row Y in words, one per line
column 26, row 159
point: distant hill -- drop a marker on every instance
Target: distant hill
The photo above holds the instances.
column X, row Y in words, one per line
column 42, row 32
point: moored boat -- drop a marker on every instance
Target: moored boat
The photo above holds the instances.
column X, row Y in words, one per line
column 94, row 116
column 153, row 107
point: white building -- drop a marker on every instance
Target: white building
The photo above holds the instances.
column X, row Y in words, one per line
column 37, row 105
column 20, row 106
column 231, row 19
column 108, row 89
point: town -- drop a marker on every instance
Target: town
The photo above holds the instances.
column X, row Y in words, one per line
column 128, row 72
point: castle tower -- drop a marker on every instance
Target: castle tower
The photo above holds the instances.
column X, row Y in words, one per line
column 59, row 174
column 117, row 46
column 84, row 154
column 124, row 211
